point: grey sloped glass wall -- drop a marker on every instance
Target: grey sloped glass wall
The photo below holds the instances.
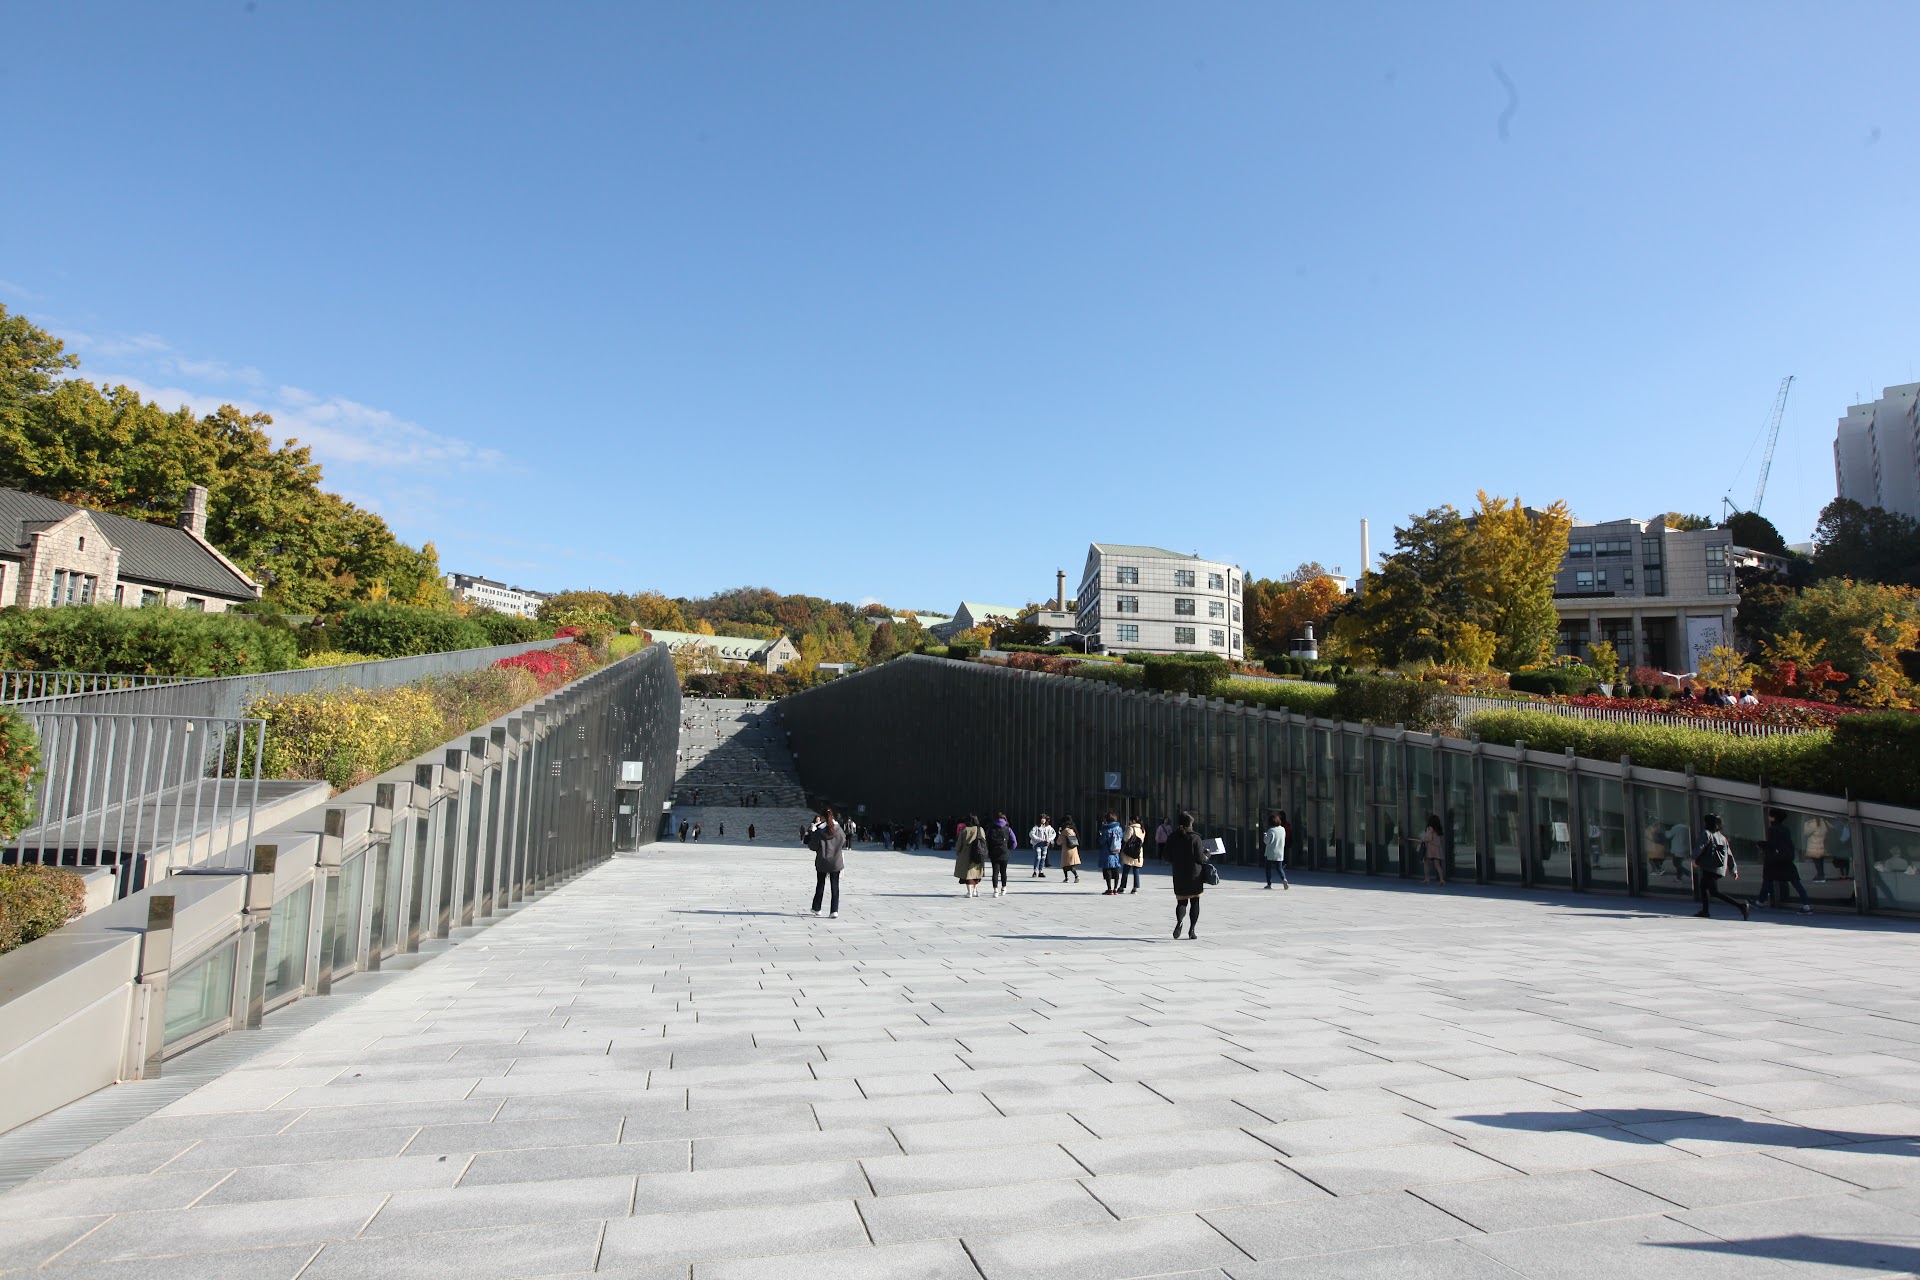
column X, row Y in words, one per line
column 925, row 738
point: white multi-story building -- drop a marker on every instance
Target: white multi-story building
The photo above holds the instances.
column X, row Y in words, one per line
column 1876, row 453
column 1151, row 600
column 497, row 596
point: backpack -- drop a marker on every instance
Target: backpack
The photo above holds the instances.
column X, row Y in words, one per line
column 1710, row 858
column 1132, row 846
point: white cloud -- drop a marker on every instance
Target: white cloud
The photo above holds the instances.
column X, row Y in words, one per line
column 19, row 291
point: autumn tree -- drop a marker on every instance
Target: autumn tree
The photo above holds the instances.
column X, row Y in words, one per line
column 1514, row 553
column 1863, row 628
column 1309, row 601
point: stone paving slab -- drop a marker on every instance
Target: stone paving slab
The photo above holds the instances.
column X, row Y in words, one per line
column 667, row 1070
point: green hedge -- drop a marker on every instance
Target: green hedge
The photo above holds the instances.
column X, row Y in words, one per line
column 19, row 763
column 1298, row 696
column 1308, row 668
column 34, row 901
column 153, row 641
column 1051, row 650
column 1879, row 755
column 1429, row 708
column 505, row 628
column 1198, row 674
column 404, row 631
column 1131, row 677
column 965, row 651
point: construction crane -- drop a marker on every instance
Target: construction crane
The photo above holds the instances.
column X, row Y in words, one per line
column 1771, row 434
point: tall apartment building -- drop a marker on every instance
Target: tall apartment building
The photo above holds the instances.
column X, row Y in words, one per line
column 1876, row 452
column 497, row 596
column 1151, row 600
column 1662, row 597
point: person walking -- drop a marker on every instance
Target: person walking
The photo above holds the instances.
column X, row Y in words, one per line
column 1161, row 834
column 970, row 856
column 684, row 828
column 749, row 831
column 829, row 844
column 1777, row 866
column 1187, row 858
column 1041, row 837
column 696, row 833
column 1713, row 861
column 723, row 831
column 1273, row 848
column 1000, row 843
column 1133, row 853
column 1433, row 851
column 1069, row 851
column 1111, row 837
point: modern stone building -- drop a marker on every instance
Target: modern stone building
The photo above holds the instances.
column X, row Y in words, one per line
column 734, row 651
column 497, row 596
column 1876, row 454
column 1151, row 600
column 54, row 553
column 1660, row 596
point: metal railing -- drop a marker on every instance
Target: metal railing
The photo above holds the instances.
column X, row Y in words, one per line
column 119, row 791
column 31, row 686
column 1472, row 703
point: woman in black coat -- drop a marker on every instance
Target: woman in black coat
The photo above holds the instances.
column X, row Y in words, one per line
column 829, row 844
column 1188, row 859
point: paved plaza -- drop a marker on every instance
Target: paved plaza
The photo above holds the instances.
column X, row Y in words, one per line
column 666, row 1069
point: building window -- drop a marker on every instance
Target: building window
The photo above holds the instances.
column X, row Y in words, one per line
column 1127, row 575
column 1218, row 639
column 1127, row 633
column 83, row 542
column 1183, row 605
column 1183, row 577
column 59, row 588
column 1579, row 548
column 1183, row 635
column 1216, row 608
column 1235, row 588
column 1236, row 640
column 1626, row 577
column 88, row 585
column 1717, row 554
column 1656, row 580
column 1650, row 551
column 1216, row 582
column 1126, row 604
column 1716, row 584
column 196, row 604
column 149, row 596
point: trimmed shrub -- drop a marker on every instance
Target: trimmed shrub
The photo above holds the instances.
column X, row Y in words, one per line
column 19, row 764
column 154, row 641
column 34, row 901
column 1429, row 708
column 1052, row 650
column 1804, row 761
column 332, row 658
column 505, row 628
column 1299, row 696
column 1130, row 676
column 1197, row 674
column 966, row 651
column 404, row 631
column 1879, row 755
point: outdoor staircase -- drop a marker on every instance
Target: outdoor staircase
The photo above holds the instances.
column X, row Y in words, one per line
column 735, row 770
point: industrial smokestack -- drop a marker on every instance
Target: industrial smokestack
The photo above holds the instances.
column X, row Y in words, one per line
column 1366, row 557
column 1060, row 589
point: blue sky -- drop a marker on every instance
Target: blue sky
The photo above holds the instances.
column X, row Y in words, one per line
column 911, row 302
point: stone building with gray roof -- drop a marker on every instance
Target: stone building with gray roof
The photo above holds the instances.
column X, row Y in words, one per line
column 55, row 553
column 735, row 651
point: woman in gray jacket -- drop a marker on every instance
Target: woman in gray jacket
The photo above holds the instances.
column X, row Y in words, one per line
column 829, row 844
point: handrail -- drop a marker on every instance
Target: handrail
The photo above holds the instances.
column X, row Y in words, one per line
column 32, row 686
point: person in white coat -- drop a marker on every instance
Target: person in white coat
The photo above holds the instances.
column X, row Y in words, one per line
column 1041, row 837
column 1273, row 849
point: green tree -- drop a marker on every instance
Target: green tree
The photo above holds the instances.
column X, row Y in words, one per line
column 1862, row 628
column 1686, row 523
column 1867, row 544
column 1751, row 529
column 1410, row 609
column 1514, row 553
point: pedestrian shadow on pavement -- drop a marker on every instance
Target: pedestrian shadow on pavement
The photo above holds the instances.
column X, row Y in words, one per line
column 1665, row 1124
column 1871, row 1256
column 706, row 911
column 1078, row 937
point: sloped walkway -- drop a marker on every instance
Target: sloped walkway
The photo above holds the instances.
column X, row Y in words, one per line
column 663, row 1070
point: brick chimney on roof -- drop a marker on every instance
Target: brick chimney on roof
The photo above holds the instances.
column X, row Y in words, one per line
column 193, row 512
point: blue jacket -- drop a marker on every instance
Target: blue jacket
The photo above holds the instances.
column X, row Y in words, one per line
column 1111, row 837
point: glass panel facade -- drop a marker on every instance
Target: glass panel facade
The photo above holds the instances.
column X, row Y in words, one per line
column 201, row 994
column 1462, row 818
column 1666, row 840
column 1746, row 830
column 287, row 942
column 1552, row 828
column 1826, row 847
column 1893, row 863
column 1503, row 822
column 1388, row 856
column 353, row 875
column 1353, row 803
column 1603, row 847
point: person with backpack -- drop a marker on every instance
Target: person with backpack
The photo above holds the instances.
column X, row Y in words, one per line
column 1069, row 851
column 1111, row 838
column 1133, row 854
column 1041, row 837
column 970, row 856
column 1777, row 865
column 1712, row 862
column 1273, row 848
column 1187, row 858
column 1000, row 846
column 829, row 844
